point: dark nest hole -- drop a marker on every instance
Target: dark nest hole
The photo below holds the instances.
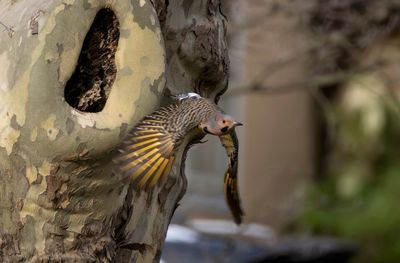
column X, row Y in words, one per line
column 89, row 86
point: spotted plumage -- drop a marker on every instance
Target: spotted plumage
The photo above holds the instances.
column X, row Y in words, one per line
column 147, row 154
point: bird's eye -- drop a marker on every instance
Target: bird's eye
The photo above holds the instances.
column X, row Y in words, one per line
column 223, row 121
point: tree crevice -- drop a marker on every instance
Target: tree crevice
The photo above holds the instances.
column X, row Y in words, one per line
column 89, row 86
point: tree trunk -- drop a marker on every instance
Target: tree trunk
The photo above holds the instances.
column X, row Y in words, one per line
column 75, row 77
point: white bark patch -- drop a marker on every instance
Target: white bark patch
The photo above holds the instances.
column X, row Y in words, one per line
column 3, row 71
column 13, row 100
column 69, row 2
column 84, row 119
column 142, row 3
column 48, row 126
column 45, row 168
column 31, row 174
column 69, row 58
column 31, row 208
column 8, row 137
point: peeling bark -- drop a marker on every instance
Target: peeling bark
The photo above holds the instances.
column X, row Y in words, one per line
column 59, row 199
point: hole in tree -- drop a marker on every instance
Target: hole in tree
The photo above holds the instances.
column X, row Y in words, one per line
column 90, row 84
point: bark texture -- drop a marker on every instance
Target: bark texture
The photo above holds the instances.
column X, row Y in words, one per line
column 63, row 114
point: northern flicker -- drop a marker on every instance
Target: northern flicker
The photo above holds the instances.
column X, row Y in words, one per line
column 147, row 154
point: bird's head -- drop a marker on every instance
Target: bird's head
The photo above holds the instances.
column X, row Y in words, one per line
column 219, row 124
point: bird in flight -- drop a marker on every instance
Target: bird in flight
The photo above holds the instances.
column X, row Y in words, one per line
column 148, row 152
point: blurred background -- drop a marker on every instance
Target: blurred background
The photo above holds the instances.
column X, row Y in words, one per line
column 316, row 84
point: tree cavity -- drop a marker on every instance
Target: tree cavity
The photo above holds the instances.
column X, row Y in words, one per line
column 89, row 86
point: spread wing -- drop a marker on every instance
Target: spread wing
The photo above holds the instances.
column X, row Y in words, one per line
column 147, row 154
column 231, row 144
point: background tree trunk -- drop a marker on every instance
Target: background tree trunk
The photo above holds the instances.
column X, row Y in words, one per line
column 75, row 76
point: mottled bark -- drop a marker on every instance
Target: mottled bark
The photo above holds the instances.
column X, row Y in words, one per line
column 63, row 114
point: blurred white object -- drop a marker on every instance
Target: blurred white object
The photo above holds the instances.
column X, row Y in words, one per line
column 211, row 226
column 258, row 231
column 177, row 233
column 227, row 227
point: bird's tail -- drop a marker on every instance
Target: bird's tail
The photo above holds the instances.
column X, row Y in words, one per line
column 232, row 193
column 231, row 144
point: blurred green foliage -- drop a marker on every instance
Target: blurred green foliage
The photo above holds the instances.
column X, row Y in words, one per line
column 358, row 197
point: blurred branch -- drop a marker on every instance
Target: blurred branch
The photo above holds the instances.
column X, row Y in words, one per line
column 313, row 85
column 320, row 81
column 393, row 99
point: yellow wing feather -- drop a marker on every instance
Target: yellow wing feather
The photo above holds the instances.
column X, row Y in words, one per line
column 147, row 155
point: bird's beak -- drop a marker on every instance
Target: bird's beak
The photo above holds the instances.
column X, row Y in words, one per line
column 235, row 124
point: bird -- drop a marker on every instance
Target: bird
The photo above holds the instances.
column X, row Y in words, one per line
column 147, row 153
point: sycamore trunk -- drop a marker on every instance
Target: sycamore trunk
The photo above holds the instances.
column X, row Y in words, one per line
column 75, row 77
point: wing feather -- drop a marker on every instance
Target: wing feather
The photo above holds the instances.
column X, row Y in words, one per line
column 147, row 154
column 151, row 171
column 160, row 171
